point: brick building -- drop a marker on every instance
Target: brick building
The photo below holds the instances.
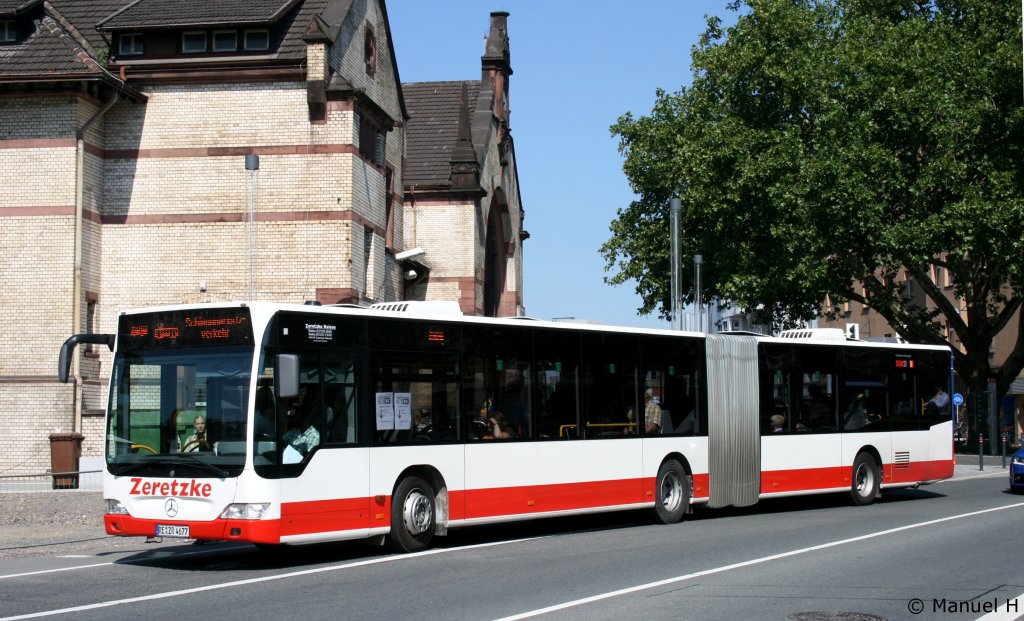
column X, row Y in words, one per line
column 128, row 131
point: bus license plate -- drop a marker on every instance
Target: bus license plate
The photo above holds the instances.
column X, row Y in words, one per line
column 169, row 530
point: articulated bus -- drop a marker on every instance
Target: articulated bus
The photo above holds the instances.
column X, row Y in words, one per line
column 287, row 424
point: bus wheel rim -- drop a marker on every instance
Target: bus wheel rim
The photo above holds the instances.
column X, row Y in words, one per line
column 417, row 512
column 672, row 492
column 864, row 480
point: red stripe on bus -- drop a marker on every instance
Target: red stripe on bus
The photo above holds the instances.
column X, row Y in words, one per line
column 810, row 479
column 320, row 516
column 918, row 471
column 485, row 503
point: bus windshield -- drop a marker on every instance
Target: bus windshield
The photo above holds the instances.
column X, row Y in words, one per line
column 179, row 403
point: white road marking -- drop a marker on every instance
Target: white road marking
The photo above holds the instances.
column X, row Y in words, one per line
column 237, row 583
column 717, row 570
column 93, row 566
column 48, row 571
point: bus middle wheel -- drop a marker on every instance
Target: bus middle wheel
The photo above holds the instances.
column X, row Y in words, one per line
column 673, row 493
column 412, row 515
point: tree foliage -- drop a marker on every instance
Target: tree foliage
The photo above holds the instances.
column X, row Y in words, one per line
column 827, row 149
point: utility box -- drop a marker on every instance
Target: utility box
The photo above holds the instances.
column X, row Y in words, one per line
column 65, row 450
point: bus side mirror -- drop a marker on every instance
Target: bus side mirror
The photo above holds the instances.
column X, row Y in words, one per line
column 286, row 376
column 64, row 365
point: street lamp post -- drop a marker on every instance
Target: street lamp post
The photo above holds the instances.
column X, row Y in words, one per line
column 252, row 166
column 675, row 205
column 698, row 302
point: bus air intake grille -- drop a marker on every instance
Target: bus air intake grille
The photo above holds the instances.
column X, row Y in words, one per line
column 902, row 460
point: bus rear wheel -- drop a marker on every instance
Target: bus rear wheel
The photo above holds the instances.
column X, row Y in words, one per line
column 864, row 485
column 412, row 515
column 673, row 493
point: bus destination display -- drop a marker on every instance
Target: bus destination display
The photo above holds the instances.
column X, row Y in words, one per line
column 191, row 328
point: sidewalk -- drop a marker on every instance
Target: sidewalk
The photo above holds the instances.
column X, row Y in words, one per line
column 965, row 459
column 968, row 466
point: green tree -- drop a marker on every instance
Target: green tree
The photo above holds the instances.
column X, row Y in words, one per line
column 827, row 149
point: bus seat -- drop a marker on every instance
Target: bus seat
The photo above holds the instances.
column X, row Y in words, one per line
column 666, row 422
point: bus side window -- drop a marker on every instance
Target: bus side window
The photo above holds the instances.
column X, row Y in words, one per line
column 555, row 389
column 608, row 390
column 430, row 385
column 340, row 398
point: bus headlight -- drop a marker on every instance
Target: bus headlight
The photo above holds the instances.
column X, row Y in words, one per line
column 115, row 507
column 245, row 511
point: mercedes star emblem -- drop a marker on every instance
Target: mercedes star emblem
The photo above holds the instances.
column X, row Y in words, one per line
column 171, row 507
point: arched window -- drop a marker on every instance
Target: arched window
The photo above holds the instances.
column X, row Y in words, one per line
column 370, row 51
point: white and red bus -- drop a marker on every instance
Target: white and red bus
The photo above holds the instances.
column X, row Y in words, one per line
column 330, row 423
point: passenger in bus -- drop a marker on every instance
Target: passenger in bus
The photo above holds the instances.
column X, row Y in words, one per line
column 855, row 416
column 652, row 413
column 778, row 423
column 303, row 435
column 197, row 441
column 819, row 413
column 498, row 427
column 937, row 404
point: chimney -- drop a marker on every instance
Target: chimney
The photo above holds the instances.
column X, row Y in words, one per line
column 497, row 64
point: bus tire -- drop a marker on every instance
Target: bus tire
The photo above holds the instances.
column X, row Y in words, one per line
column 412, row 515
column 672, row 493
column 865, row 481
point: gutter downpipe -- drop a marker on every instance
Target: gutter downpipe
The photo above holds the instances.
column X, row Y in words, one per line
column 76, row 308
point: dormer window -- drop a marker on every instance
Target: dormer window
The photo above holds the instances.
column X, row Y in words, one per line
column 193, row 42
column 225, row 41
column 8, row 31
column 256, row 40
column 129, row 44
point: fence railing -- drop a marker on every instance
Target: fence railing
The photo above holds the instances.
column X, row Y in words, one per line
column 84, row 480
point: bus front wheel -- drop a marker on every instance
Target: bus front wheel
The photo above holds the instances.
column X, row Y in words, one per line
column 412, row 515
column 864, row 486
column 673, row 493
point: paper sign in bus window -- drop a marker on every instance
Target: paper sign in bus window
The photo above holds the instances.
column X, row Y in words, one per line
column 385, row 411
column 403, row 410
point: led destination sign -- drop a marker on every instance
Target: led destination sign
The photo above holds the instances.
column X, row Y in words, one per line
column 189, row 328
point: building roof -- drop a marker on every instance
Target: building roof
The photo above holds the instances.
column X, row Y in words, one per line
column 10, row 8
column 433, row 128
column 51, row 50
column 84, row 16
column 148, row 14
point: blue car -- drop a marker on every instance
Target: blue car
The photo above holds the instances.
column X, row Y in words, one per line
column 1017, row 472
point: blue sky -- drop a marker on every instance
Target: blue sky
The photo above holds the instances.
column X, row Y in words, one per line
column 577, row 66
